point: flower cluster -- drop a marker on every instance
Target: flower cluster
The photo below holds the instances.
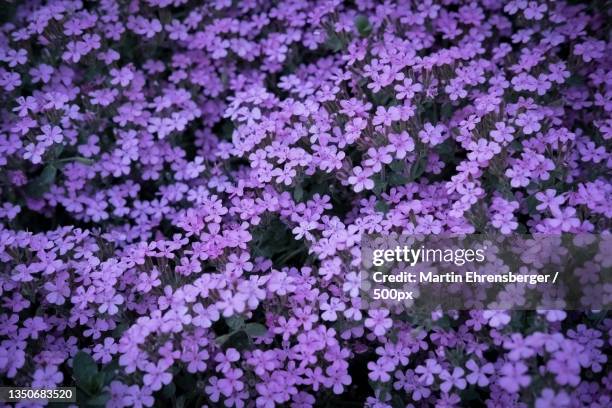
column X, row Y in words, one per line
column 185, row 186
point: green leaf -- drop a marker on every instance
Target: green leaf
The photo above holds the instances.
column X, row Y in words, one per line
column 418, row 168
column 575, row 80
column 97, row 381
column 397, row 166
column 99, row 400
column 333, row 43
column 298, row 193
column 41, row 184
column 446, row 112
column 186, row 382
column 227, row 129
column 235, row 322
column 84, row 160
column 110, row 371
column 379, row 186
column 84, row 369
column 469, row 394
column 363, row 25
column 396, row 179
column 255, row 329
column 238, row 340
column 169, row 390
column 221, row 340
column 57, row 149
column 596, row 316
column 382, row 207
column 396, row 401
column 120, row 329
column 181, row 401
column 48, row 175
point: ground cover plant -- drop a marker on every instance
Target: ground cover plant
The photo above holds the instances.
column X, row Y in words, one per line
column 185, row 185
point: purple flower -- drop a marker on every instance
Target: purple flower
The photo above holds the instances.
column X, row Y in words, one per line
column 550, row 200
column 187, row 188
column 47, row 377
column 428, row 371
column 360, row 180
column 432, row 135
column 513, row 377
column 378, row 321
column 156, row 375
column 479, row 375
